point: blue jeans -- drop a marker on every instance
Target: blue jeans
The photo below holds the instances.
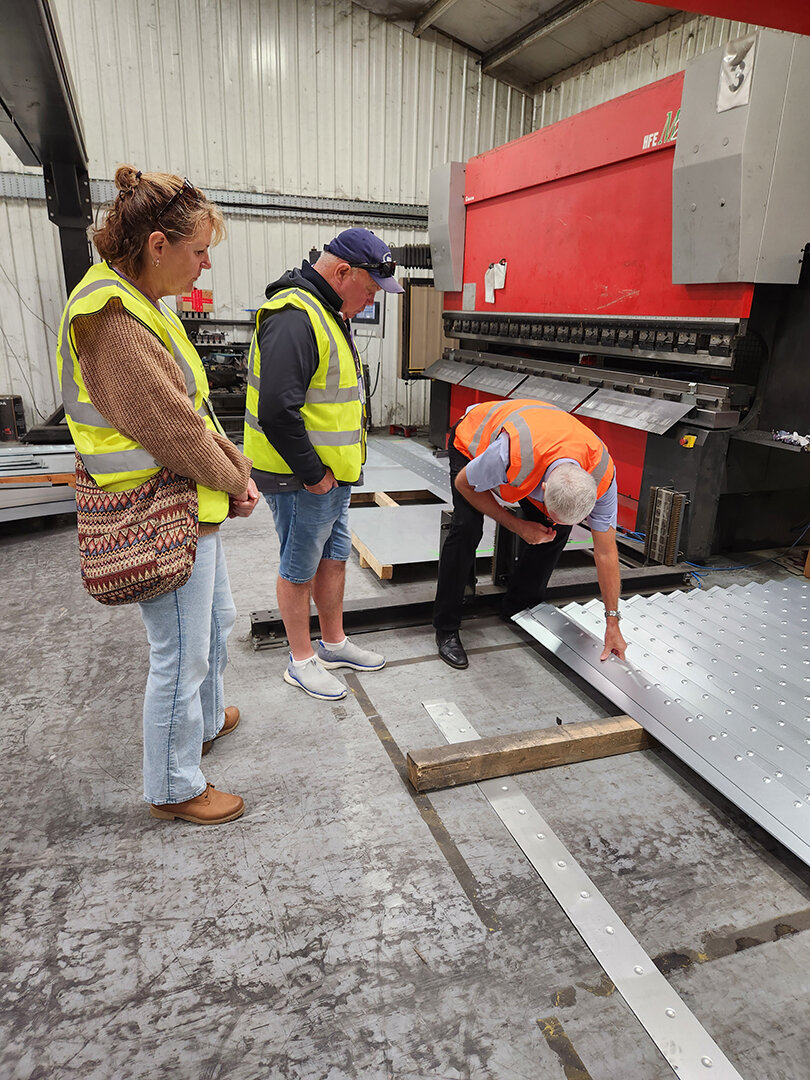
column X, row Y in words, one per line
column 310, row 528
column 183, row 707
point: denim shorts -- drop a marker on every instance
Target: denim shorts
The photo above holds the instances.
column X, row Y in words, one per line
column 310, row 528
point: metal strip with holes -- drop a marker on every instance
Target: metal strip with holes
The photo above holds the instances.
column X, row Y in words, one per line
column 688, row 1048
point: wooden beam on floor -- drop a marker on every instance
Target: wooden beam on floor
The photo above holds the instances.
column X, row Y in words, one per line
column 41, row 478
column 503, row 755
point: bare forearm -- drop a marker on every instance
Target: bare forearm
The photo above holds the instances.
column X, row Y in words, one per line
column 608, row 574
column 609, row 577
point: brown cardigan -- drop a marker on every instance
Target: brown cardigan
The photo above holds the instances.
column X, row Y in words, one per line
column 137, row 386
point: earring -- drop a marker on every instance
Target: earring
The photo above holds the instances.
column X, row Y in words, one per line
column 155, row 262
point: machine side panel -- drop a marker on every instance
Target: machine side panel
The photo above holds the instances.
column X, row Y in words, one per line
column 782, row 242
column 739, row 172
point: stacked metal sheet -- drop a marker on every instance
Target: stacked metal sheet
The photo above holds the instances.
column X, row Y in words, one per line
column 719, row 676
column 26, row 499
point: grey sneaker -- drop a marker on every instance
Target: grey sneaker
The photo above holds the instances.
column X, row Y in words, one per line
column 314, row 681
column 350, row 656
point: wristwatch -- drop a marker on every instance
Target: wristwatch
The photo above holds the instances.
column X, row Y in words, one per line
column 614, row 614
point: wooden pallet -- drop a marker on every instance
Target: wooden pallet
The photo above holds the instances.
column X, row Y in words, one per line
column 385, row 571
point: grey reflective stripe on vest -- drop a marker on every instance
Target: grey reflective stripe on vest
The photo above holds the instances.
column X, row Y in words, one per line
column 334, row 438
column 252, row 377
column 330, row 394
column 182, row 363
column 336, row 397
column 330, row 391
column 83, row 412
column 317, row 438
column 475, row 441
column 80, row 411
column 601, row 465
column 478, row 434
column 526, row 444
column 119, row 461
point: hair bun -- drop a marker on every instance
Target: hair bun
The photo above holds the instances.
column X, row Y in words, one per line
column 126, row 178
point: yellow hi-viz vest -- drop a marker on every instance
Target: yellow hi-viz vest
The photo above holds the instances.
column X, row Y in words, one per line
column 333, row 412
column 116, row 462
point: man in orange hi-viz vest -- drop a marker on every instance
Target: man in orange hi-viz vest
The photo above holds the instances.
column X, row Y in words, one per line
column 560, row 473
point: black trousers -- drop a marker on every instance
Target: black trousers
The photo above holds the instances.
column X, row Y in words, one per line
column 529, row 580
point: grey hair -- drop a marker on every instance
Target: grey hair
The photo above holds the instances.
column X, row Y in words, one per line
column 570, row 493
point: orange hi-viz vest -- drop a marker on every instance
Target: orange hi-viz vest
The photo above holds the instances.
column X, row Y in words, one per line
column 539, row 434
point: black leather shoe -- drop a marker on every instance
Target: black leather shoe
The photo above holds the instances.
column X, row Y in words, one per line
column 450, row 648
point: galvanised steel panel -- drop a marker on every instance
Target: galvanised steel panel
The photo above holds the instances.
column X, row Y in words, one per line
column 775, row 634
column 763, row 657
column 753, row 747
column 424, row 464
column 675, row 1030
column 686, row 673
column 724, row 648
column 404, row 535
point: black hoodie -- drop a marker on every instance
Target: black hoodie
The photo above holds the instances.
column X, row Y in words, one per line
column 289, row 359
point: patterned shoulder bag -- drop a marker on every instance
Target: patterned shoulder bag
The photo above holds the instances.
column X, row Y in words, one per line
column 136, row 544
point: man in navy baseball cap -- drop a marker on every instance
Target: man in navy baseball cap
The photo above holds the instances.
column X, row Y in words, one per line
column 362, row 249
column 305, row 425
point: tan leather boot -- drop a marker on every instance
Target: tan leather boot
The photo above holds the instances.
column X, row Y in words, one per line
column 211, row 807
column 231, row 722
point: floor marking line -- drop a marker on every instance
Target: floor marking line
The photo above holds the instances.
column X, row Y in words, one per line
column 456, row 861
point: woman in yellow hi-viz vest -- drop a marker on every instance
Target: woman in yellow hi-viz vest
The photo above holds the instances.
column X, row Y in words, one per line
column 136, row 400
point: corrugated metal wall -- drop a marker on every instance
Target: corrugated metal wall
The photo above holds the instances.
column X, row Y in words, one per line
column 296, row 97
column 290, row 96
column 653, row 54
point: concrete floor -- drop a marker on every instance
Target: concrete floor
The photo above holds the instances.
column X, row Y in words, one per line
column 345, row 928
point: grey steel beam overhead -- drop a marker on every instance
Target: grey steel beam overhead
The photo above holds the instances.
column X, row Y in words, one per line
column 39, row 121
column 539, row 28
column 434, row 12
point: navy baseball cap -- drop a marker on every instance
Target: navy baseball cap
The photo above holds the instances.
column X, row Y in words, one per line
column 361, row 248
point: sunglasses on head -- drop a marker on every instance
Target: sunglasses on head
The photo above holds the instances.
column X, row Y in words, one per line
column 386, row 269
column 186, row 186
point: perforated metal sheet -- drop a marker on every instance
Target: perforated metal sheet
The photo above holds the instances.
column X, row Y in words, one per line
column 721, row 677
